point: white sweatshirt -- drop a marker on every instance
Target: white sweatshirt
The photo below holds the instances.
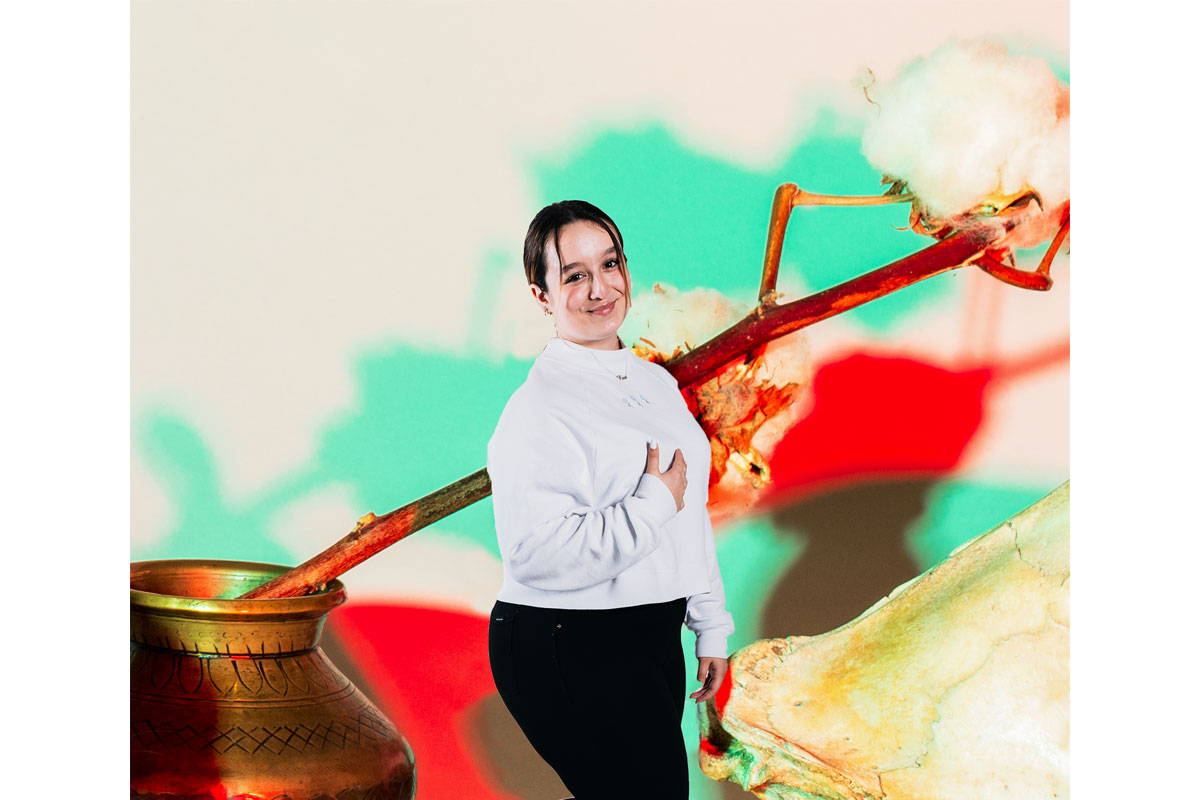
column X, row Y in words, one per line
column 579, row 523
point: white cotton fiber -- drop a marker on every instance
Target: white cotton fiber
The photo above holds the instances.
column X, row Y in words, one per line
column 970, row 121
column 670, row 318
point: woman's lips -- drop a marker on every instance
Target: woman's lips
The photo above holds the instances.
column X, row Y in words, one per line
column 604, row 311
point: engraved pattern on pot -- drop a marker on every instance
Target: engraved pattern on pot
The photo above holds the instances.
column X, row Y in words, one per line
column 367, row 727
column 232, row 678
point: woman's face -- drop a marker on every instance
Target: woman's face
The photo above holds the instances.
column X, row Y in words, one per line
column 588, row 294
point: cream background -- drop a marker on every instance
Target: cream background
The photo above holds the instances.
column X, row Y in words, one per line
column 313, row 179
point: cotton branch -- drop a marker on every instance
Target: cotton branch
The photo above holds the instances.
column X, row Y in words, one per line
column 374, row 534
column 765, row 323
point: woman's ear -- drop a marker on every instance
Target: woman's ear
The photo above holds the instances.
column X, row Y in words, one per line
column 539, row 296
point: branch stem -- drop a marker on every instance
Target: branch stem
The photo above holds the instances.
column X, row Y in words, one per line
column 765, row 323
column 368, row 539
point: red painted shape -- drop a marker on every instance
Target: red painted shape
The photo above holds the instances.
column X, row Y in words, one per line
column 877, row 416
column 426, row 667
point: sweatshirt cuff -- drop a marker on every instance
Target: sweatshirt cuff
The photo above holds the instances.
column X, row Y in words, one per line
column 711, row 644
column 659, row 500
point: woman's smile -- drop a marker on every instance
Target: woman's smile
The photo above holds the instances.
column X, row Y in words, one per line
column 604, row 310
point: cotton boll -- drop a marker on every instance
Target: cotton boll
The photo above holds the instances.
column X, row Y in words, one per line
column 1049, row 168
column 764, row 392
column 1046, row 167
column 670, row 318
column 786, row 360
column 969, row 122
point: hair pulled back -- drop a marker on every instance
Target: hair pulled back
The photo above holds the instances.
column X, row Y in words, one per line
column 544, row 232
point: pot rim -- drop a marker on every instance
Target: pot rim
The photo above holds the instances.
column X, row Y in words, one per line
column 317, row 604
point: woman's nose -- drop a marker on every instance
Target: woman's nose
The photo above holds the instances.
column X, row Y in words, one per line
column 597, row 292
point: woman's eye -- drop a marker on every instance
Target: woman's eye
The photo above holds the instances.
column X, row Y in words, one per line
column 573, row 277
column 611, row 264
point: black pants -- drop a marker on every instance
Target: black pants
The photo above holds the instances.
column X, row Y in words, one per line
column 598, row 693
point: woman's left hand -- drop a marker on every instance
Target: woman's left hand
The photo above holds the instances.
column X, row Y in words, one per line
column 712, row 674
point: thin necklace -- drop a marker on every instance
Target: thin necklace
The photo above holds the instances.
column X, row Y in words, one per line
column 606, row 369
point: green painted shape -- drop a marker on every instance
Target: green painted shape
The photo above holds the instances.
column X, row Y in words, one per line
column 693, row 220
column 400, row 444
column 422, row 421
column 209, row 525
column 959, row 510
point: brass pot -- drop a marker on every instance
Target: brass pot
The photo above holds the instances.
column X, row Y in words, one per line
column 234, row 699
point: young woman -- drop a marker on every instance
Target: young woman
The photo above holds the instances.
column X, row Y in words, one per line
column 600, row 486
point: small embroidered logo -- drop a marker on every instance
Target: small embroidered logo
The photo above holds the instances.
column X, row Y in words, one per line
column 635, row 400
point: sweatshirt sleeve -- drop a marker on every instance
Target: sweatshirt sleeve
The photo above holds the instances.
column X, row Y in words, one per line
column 542, row 492
column 706, row 615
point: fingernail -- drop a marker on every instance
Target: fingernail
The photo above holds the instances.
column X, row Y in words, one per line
column 654, row 444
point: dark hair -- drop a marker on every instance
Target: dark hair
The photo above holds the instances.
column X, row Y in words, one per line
column 544, row 231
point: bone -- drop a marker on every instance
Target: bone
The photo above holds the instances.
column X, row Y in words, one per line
column 954, row 685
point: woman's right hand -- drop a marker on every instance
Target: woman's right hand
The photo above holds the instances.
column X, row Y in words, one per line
column 675, row 478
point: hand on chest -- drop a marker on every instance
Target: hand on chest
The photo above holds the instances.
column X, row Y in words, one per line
column 626, row 418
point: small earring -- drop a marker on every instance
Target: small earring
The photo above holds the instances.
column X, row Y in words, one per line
column 549, row 313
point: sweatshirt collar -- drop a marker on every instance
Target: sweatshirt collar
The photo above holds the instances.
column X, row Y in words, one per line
column 611, row 361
